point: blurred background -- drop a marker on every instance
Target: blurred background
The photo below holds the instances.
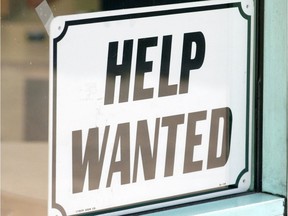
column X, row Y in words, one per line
column 24, row 103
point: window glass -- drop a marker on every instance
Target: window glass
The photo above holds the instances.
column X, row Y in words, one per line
column 25, row 99
column 24, row 103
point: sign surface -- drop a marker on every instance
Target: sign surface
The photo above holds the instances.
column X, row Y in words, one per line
column 150, row 106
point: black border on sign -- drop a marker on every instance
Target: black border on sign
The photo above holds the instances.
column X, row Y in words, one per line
column 69, row 23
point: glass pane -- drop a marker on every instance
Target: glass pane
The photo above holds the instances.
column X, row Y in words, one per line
column 25, row 100
column 24, row 103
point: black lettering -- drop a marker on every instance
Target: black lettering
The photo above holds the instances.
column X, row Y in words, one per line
column 122, row 70
column 189, row 63
column 143, row 144
column 192, row 140
column 91, row 157
column 122, row 139
column 164, row 88
column 142, row 67
column 225, row 115
column 172, row 123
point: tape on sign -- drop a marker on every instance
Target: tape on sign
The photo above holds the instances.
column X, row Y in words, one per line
column 45, row 14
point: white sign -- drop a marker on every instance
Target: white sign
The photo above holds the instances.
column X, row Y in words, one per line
column 150, row 106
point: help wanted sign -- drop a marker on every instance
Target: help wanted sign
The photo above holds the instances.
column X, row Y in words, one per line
column 150, row 106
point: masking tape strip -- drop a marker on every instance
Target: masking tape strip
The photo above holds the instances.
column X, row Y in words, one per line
column 45, row 14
